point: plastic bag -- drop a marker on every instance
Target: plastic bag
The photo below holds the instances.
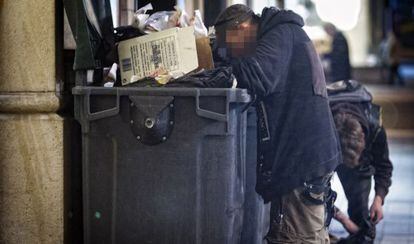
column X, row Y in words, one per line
column 110, row 75
column 184, row 20
column 200, row 29
column 163, row 20
column 141, row 16
column 174, row 20
column 160, row 21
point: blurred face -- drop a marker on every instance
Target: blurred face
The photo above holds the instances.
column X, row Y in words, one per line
column 241, row 40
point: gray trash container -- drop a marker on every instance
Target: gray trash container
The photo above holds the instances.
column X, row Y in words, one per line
column 162, row 165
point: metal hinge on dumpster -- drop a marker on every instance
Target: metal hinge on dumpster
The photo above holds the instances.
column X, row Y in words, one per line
column 152, row 118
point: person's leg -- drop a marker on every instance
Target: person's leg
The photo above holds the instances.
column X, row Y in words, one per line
column 357, row 188
column 333, row 239
column 278, row 232
column 294, row 219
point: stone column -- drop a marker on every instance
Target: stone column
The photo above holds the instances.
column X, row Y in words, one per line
column 31, row 133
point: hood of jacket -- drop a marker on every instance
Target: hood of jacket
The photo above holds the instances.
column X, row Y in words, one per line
column 272, row 17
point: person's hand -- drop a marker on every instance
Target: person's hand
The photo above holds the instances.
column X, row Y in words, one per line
column 346, row 222
column 376, row 212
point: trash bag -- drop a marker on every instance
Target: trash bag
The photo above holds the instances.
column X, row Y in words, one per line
column 221, row 77
column 126, row 32
column 145, row 82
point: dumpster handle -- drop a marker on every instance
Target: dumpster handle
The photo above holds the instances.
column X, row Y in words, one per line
column 210, row 114
column 101, row 114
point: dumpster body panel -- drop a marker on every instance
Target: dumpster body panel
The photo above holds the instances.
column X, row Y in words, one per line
column 185, row 186
column 256, row 214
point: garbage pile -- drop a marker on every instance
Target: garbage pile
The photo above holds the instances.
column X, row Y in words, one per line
column 166, row 48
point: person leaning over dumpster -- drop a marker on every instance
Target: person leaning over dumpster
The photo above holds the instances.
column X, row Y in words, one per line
column 298, row 150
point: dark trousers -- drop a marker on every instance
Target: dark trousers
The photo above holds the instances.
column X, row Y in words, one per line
column 357, row 186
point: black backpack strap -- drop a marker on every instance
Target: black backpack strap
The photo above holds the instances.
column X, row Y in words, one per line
column 373, row 114
column 348, row 91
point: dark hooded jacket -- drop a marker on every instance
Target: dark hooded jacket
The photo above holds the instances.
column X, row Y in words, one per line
column 375, row 157
column 297, row 136
column 355, row 99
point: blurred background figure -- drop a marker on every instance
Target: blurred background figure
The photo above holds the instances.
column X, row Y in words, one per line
column 401, row 41
column 339, row 67
column 397, row 54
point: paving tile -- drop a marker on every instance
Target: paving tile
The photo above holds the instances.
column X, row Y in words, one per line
column 397, row 228
column 395, row 240
column 399, row 209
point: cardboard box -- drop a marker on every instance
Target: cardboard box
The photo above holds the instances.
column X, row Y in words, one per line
column 173, row 49
column 204, row 53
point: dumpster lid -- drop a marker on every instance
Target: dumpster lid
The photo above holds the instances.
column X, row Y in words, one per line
column 234, row 95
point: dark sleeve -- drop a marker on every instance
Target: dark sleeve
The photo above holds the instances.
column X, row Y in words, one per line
column 382, row 164
column 268, row 67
